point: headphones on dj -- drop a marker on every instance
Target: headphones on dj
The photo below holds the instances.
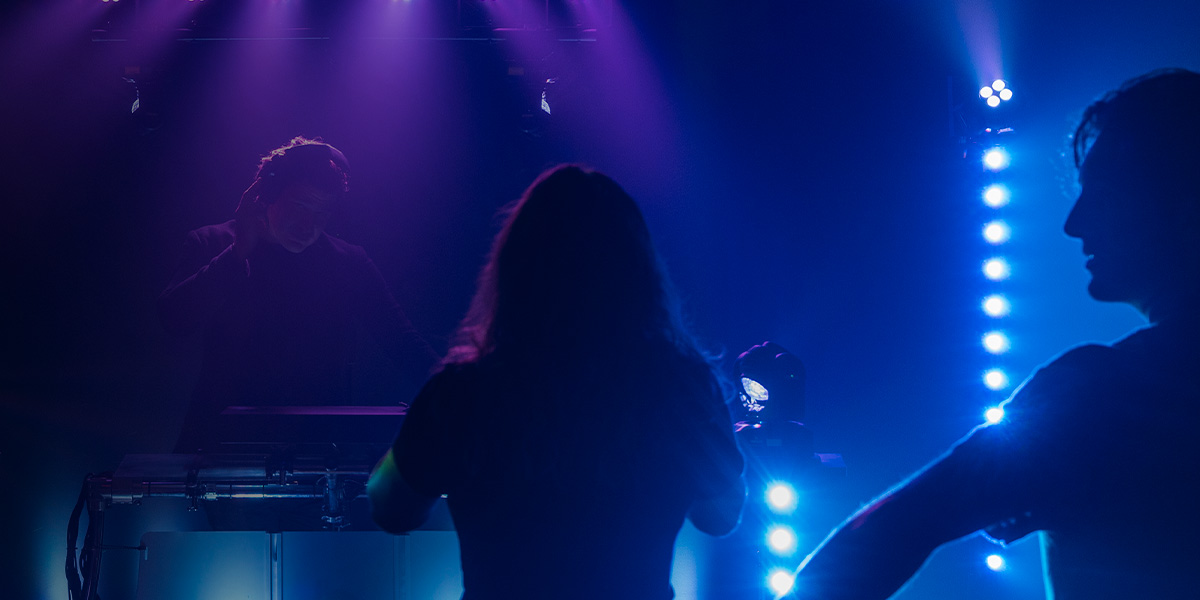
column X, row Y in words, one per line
column 303, row 161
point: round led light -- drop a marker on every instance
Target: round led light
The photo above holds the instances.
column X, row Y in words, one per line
column 997, row 232
column 995, row 379
column 995, row 562
column 996, row 158
column 996, row 342
column 997, row 269
column 780, row 581
column 996, row 196
column 782, row 498
column 994, row 415
column 996, row 306
column 782, row 540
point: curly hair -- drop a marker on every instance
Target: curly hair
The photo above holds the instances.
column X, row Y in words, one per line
column 304, row 160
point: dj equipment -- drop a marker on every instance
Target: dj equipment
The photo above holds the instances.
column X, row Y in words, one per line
column 199, row 478
column 264, row 485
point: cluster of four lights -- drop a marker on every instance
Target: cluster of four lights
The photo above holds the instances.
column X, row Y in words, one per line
column 996, row 93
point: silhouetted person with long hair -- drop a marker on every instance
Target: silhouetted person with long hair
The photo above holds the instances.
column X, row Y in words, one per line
column 1098, row 449
column 575, row 423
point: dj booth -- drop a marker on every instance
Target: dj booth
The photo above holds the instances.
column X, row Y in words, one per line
column 286, row 517
column 267, row 520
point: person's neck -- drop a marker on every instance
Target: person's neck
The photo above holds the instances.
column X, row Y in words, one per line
column 1180, row 306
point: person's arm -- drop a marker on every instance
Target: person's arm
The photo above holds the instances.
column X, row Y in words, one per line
column 212, row 267
column 395, row 506
column 201, row 285
column 1019, row 469
column 718, row 510
column 878, row 549
column 384, row 318
column 419, row 468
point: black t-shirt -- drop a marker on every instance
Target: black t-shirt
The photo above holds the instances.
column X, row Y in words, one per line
column 1098, row 450
column 280, row 328
column 568, row 485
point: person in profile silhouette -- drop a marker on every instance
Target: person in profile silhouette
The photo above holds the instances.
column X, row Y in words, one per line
column 575, row 423
column 1097, row 450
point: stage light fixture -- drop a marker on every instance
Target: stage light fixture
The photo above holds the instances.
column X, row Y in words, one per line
column 782, row 498
column 997, row 232
column 996, row 159
column 548, row 90
column 996, row 342
column 994, row 415
column 997, row 269
column 996, row 196
column 995, row 379
column 996, row 93
column 995, row 562
column 996, row 306
column 755, row 390
column 782, row 540
column 772, row 383
column 780, row 581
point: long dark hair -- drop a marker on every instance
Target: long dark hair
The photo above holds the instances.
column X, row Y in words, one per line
column 579, row 328
column 572, row 266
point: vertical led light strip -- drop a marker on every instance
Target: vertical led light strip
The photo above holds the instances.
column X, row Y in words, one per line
column 997, row 232
column 781, row 499
column 996, row 268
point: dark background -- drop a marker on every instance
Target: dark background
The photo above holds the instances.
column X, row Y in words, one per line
column 800, row 165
